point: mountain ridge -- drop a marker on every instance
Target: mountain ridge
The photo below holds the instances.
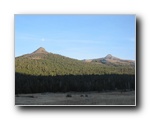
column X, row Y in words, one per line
column 110, row 59
column 41, row 62
column 42, row 50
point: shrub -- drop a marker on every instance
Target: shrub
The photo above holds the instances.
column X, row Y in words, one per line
column 81, row 95
column 68, row 95
column 86, row 95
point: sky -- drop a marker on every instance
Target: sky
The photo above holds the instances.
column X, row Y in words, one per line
column 77, row 36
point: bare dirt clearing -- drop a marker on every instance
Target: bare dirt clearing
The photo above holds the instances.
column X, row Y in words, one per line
column 77, row 98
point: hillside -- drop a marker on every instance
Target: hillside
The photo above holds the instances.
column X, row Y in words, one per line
column 111, row 60
column 41, row 62
column 41, row 71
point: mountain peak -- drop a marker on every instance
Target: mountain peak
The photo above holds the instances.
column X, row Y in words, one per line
column 109, row 56
column 40, row 50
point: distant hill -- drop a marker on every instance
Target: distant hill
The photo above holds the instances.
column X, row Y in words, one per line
column 111, row 60
column 41, row 62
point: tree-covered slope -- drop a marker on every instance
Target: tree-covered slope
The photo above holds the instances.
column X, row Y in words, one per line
column 42, row 71
column 41, row 62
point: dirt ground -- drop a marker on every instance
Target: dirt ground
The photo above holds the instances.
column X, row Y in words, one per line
column 72, row 98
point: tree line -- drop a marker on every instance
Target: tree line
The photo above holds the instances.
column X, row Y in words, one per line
column 78, row 83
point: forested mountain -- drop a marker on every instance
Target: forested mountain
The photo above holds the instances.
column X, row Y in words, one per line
column 42, row 71
column 42, row 62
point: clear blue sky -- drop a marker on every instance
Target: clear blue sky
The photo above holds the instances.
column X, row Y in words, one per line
column 77, row 36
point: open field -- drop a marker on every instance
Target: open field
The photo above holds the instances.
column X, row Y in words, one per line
column 85, row 98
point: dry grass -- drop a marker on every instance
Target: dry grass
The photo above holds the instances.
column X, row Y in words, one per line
column 94, row 98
